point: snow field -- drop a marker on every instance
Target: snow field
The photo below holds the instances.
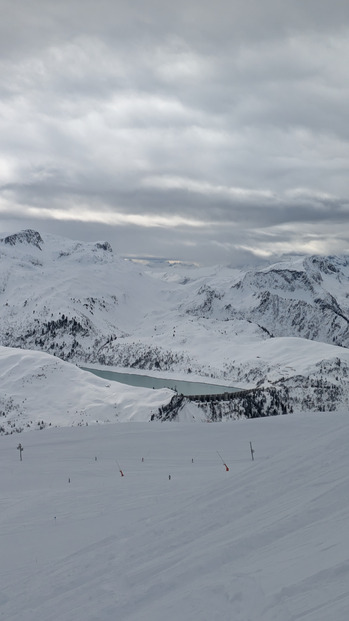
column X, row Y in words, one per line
column 266, row 541
column 214, row 321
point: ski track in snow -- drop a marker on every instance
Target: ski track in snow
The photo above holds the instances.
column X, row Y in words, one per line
column 266, row 541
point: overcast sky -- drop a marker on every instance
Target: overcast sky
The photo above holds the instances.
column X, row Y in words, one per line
column 214, row 132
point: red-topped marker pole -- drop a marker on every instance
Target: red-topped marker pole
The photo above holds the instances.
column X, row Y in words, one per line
column 223, row 462
column 121, row 472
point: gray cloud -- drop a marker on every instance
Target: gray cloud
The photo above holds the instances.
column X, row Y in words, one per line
column 209, row 133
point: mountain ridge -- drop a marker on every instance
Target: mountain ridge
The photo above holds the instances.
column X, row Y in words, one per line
column 84, row 304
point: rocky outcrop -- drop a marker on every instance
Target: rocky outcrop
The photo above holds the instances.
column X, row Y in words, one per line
column 308, row 299
column 28, row 236
column 324, row 390
column 80, row 302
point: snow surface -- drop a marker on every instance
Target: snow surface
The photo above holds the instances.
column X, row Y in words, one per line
column 267, row 540
column 37, row 389
column 178, row 536
column 40, row 390
column 87, row 305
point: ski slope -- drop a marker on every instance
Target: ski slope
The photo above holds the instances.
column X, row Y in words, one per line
column 267, row 540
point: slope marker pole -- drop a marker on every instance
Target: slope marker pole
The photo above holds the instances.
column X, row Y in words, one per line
column 21, row 449
column 121, row 472
column 223, row 462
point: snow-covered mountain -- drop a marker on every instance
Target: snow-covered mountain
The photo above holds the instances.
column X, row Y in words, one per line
column 83, row 303
column 306, row 297
column 165, row 521
column 38, row 390
column 284, row 326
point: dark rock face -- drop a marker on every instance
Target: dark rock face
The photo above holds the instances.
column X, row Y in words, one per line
column 24, row 237
column 308, row 301
column 324, row 390
column 104, row 246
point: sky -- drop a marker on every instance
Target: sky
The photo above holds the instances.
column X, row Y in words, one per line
column 214, row 132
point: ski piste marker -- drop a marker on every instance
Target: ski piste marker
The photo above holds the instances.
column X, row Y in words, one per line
column 121, row 472
column 223, row 462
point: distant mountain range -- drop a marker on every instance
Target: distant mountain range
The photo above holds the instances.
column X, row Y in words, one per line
column 284, row 326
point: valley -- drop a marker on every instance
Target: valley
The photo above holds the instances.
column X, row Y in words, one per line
column 280, row 328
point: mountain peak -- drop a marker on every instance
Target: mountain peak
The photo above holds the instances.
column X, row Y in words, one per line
column 29, row 236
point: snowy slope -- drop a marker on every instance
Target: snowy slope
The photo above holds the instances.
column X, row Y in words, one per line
column 306, row 297
column 39, row 390
column 250, row 328
column 83, row 303
column 287, row 374
column 265, row 541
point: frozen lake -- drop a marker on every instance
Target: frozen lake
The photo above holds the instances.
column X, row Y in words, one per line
column 183, row 387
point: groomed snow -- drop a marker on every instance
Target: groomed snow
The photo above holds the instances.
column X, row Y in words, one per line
column 265, row 541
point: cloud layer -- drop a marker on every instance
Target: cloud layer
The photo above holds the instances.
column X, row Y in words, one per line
column 199, row 131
